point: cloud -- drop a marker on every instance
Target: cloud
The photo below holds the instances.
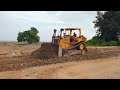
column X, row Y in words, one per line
column 75, row 16
column 11, row 22
column 80, row 19
column 33, row 16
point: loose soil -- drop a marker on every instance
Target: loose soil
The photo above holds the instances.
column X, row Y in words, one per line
column 15, row 58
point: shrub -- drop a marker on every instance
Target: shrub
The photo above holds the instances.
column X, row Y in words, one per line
column 101, row 42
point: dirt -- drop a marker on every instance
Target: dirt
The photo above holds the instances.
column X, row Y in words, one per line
column 10, row 49
column 21, row 62
column 21, row 65
column 88, row 69
column 46, row 51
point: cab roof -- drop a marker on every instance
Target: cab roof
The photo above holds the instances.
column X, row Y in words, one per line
column 72, row 28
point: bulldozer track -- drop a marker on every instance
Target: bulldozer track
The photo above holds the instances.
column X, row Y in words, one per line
column 72, row 47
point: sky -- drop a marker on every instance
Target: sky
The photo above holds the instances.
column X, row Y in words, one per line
column 13, row 22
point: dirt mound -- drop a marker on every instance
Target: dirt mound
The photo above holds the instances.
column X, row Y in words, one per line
column 47, row 50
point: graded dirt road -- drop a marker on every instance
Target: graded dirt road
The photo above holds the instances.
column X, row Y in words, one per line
column 92, row 69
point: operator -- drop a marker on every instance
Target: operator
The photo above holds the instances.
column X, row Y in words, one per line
column 74, row 34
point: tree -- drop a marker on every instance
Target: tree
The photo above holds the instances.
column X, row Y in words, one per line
column 29, row 36
column 108, row 25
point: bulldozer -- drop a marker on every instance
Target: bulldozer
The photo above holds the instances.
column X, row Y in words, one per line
column 64, row 44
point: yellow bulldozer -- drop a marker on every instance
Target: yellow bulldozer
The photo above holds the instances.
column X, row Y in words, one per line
column 65, row 44
column 70, row 43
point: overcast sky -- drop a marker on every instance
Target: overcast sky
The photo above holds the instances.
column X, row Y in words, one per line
column 11, row 22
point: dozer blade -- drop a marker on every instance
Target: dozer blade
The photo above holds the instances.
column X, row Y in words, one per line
column 47, row 50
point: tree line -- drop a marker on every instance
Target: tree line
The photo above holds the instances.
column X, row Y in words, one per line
column 108, row 29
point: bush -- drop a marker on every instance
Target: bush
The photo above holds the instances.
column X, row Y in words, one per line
column 101, row 42
column 113, row 43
